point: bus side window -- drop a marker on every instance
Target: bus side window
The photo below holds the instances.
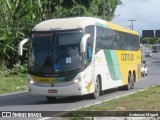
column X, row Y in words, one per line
column 89, row 52
column 89, row 44
column 99, row 44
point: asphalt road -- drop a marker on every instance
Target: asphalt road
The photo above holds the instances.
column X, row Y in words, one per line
column 26, row 102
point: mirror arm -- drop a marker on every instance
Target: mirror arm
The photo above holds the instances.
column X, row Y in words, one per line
column 83, row 42
column 20, row 47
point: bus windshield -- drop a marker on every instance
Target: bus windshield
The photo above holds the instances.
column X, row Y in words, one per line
column 55, row 52
column 68, row 55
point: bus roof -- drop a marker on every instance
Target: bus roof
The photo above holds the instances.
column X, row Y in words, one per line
column 77, row 22
column 120, row 28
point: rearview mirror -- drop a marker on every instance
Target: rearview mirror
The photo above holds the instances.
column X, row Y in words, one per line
column 20, row 47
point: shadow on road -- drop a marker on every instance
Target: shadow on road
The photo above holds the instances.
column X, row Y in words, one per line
column 26, row 99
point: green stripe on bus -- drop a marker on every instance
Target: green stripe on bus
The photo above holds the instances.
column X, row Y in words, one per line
column 113, row 65
column 116, row 64
column 102, row 25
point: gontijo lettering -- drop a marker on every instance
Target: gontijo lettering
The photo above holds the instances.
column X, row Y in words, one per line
column 127, row 57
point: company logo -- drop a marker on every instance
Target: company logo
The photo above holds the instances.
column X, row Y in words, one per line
column 6, row 114
column 127, row 57
column 20, row 114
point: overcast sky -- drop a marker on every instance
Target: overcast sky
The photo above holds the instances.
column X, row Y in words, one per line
column 146, row 13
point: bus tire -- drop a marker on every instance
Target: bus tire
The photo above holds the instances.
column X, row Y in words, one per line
column 133, row 80
column 96, row 93
column 129, row 85
column 50, row 99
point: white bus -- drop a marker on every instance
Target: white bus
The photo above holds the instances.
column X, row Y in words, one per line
column 82, row 55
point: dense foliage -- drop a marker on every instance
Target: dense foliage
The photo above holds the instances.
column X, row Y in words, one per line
column 150, row 40
column 17, row 17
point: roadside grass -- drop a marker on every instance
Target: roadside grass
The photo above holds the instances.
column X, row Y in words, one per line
column 147, row 100
column 13, row 83
column 12, row 80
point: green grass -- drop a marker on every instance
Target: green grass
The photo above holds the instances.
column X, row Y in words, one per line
column 13, row 83
column 141, row 101
column 147, row 100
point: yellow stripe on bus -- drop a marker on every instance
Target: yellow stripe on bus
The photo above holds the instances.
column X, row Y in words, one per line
column 42, row 79
column 119, row 28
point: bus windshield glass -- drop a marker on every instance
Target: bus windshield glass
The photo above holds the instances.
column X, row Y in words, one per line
column 55, row 52
column 68, row 55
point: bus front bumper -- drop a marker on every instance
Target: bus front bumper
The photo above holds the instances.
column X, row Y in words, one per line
column 71, row 90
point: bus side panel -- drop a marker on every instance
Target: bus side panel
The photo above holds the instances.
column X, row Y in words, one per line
column 109, row 71
column 129, row 61
column 113, row 67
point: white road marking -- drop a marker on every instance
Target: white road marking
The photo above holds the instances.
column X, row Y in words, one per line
column 45, row 118
column 95, row 103
column 109, row 99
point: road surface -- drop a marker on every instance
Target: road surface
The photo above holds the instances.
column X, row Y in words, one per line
column 26, row 102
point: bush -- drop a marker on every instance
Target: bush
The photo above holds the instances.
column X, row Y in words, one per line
column 16, row 70
column 19, row 69
column 4, row 71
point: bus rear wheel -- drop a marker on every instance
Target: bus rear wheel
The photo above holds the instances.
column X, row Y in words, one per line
column 96, row 93
column 51, row 99
column 133, row 79
column 130, row 84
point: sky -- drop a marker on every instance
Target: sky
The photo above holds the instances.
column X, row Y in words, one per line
column 145, row 12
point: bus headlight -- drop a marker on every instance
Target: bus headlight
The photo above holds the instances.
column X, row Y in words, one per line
column 76, row 80
column 30, row 80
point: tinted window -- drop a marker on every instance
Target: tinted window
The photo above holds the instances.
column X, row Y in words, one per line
column 128, row 41
column 90, row 30
column 42, row 41
column 104, row 39
column 116, row 40
column 89, row 44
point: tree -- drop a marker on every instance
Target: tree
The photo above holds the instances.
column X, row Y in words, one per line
column 158, row 40
column 148, row 40
column 107, row 8
column 17, row 17
column 72, row 8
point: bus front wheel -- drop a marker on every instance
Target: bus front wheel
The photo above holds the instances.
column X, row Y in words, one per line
column 96, row 93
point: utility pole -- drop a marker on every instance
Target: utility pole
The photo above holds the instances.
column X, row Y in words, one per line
column 104, row 7
column 132, row 23
column 130, row 27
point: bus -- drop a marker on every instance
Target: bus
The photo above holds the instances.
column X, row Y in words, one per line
column 155, row 48
column 81, row 56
